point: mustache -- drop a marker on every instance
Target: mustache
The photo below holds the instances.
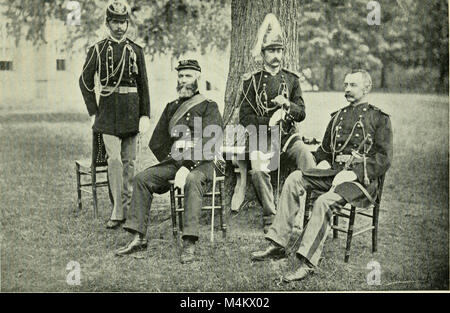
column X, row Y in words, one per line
column 190, row 87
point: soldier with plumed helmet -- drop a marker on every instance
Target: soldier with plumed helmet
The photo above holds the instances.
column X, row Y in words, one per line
column 272, row 97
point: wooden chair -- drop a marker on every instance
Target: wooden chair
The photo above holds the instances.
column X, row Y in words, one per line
column 177, row 207
column 91, row 168
column 350, row 212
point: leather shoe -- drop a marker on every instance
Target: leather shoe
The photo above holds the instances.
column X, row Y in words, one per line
column 133, row 246
column 272, row 252
column 188, row 254
column 114, row 224
column 299, row 274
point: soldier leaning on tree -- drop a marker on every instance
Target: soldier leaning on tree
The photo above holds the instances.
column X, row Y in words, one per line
column 269, row 97
column 124, row 106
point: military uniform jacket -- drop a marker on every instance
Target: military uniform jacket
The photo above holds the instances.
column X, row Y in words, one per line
column 260, row 88
column 344, row 134
column 163, row 139
column 118, row 65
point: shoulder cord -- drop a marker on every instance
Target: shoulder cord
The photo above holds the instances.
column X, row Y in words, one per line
column 88, row 62
column 331, row 137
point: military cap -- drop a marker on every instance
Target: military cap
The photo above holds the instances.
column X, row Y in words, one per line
column 188, row 64
column 117, row 10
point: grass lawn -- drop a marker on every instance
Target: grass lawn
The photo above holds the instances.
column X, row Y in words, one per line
column 41, row 232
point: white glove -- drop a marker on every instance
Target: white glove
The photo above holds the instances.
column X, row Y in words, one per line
column 180, row 177
column 281, row 101
column 343, row 177
column 323, row 165
column 92, row 120
column 276, row 117
column 144, row 124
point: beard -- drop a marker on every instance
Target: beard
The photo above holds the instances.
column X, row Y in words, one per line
column 187, row 90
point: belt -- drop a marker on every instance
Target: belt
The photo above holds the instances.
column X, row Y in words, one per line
column 120, row 89
column 343, row 157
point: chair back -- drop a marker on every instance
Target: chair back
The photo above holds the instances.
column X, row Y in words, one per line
column 99, row 156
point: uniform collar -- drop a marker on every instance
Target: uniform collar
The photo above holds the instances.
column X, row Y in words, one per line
column 265, row 69
column 117, row 41
column 359, row 105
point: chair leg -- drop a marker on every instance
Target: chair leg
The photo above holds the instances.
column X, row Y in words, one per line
column 351, row 222
column 77, row 167
column 94, row 190
column 222, row 210
column 376, row 211
column 335, row 223
column 180, row 214
column 173, row 212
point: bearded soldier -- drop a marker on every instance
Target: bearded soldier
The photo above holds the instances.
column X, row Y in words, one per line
column 270, row 97
column 124, row 106
column 341, row 176
column 178, row 137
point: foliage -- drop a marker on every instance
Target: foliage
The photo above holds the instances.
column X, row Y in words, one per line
column 164, row 26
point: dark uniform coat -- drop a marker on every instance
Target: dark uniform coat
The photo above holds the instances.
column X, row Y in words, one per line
column 260, row 88
column 164, row 138
column 118, row 113
column 344, row 134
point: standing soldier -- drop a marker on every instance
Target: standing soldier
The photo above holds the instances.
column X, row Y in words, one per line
column 342, row 176
column 124, row 106
column 269, row 97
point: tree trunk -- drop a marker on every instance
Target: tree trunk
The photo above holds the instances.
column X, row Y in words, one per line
column 383, row 84
column 246, row 17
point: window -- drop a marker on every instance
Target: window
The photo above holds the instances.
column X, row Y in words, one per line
column 6, row 65
column 60, row 64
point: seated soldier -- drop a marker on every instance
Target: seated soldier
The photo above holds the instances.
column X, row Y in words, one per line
column 192, row 168
column 347, row 180
column 272, row 99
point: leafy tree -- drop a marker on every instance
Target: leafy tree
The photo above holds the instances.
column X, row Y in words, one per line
column 164, row 26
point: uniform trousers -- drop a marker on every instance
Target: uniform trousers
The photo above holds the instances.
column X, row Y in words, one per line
column 155, row 179
column 121, row 159
column 297, row 153
column 289, row 218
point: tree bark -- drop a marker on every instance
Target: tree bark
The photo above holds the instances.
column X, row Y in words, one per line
column 246, row 17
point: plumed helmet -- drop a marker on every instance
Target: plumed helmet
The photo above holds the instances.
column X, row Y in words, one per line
column 269, row 35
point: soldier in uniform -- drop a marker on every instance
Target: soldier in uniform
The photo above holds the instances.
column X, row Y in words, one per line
column 337, row 184
column 269, row 97
column 124, row 105
column 181, row 127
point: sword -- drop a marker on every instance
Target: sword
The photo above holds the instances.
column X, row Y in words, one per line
column 349, row 162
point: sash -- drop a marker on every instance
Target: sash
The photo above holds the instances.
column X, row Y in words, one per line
column 184, row 108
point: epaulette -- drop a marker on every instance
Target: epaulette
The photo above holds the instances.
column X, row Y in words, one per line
column 248, row 75
column 377, row 109
column 134, row 43
column 334, row 113
column 296, row 74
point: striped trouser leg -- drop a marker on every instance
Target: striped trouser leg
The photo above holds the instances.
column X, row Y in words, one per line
column 316, row 230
